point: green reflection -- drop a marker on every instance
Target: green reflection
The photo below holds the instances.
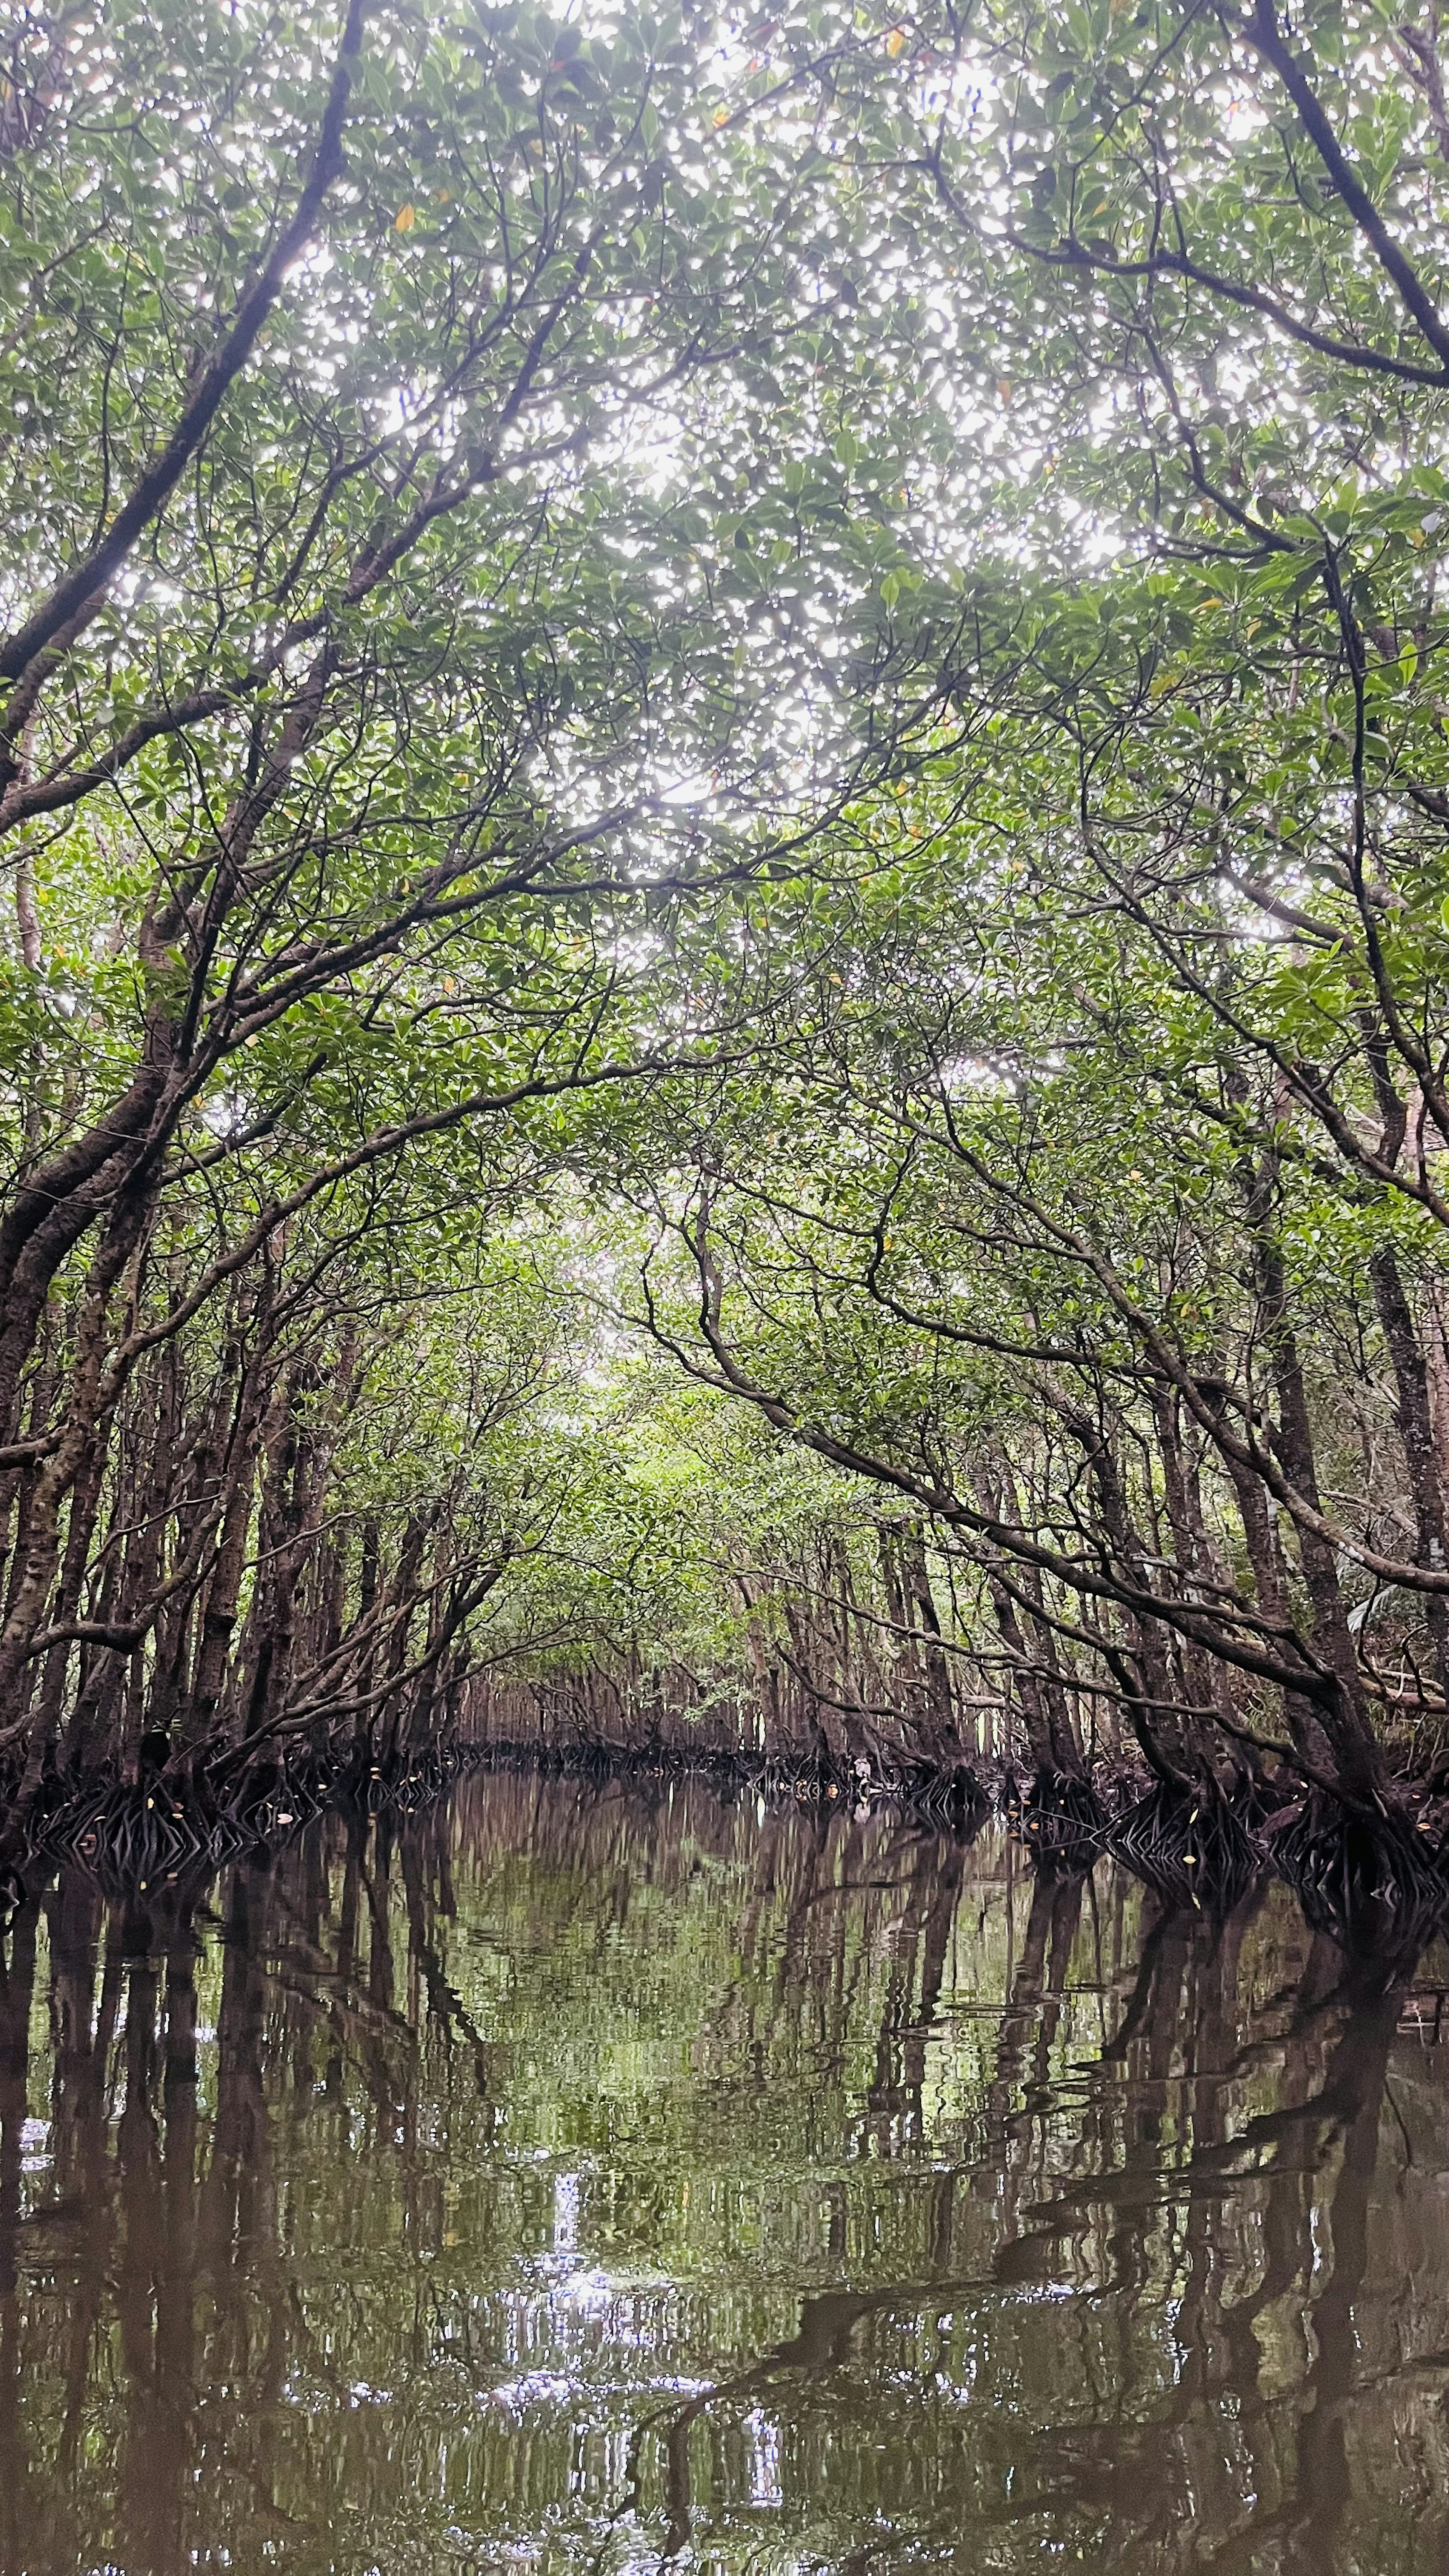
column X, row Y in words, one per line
column 560, row 2183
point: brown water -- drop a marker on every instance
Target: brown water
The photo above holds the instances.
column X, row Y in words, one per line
column 555, row 2184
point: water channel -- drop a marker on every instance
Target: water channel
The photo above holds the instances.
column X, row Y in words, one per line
column 563, row 2181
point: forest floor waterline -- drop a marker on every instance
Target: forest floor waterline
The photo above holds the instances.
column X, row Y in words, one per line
column 568, row 2178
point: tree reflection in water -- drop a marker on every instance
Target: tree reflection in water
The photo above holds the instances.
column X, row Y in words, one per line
column 564, row 2183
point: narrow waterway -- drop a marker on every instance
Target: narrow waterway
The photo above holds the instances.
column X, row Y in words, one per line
column 568, row 2182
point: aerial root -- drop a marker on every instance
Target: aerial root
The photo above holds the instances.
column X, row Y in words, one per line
column 1058, row 1817
column 159, row 1832
column 1192, row 1848
column 1376, row 1881
column 949, row 1794
column 1371, row 1881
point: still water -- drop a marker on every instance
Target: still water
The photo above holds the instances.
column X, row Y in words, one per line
column 562, row 2182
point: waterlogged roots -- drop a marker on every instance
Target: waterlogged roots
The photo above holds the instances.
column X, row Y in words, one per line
column 948, row 1794
column 1059, row 1817
column 155, row 1835
column 1377, row 1885
column 1193, row 1851
column 1372, row 1883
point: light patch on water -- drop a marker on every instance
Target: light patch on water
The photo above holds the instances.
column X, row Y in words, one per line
column 590, row 2292
column 536, row 2387
column 565, row 2213
column 765, row 2487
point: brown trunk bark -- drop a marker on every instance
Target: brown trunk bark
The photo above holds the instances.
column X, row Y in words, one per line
column 1416, row 1431
column 223, row 1593
column 1358, row 1770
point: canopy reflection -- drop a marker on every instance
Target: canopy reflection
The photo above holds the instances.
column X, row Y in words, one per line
column 559, row 2182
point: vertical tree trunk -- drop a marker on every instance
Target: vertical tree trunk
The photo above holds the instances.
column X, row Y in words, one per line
column 1416, row 1430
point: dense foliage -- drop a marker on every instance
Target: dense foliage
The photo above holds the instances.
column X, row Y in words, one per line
column 756, row 694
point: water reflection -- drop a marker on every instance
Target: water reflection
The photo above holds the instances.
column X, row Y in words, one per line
column 560, row 2184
